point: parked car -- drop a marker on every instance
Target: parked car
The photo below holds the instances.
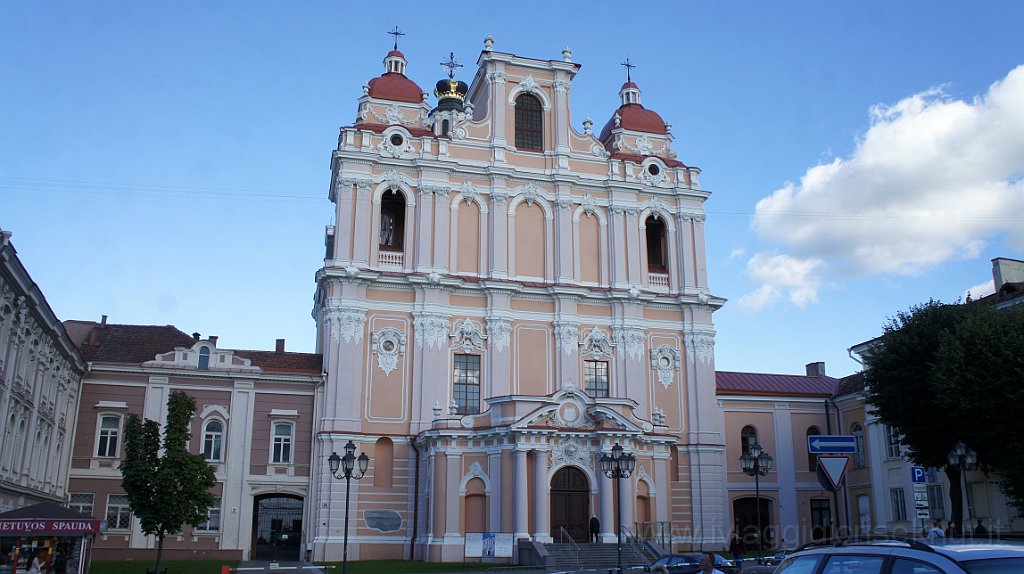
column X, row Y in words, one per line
column 894, row 555
column 689, row 564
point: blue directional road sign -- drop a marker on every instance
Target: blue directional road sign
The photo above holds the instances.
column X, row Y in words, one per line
column 831, row 443
column 917, row 474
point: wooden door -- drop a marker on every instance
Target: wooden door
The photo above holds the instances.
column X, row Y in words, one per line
column 570, row 504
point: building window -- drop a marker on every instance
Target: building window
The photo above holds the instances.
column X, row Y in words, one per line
column 892, row 442
column 935, row 499
column 858, row 441
column 466, row 378
column 899, row 504
column 655, row 229
column 821, row 519
column 748, row 438
column 812, row 459
column 529, row 123
column 82, row 502
column 212, row 523
column 445, row 126
column 213, row 439
column 119, row 514
column 107, row 438
column 282, row 443
column 392, row 220
column 595, row 378
column 204, row 358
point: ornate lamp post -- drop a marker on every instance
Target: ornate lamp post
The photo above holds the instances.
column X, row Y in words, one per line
column 966, row 459
column 757, row 463
column 614, row 466
column 344, row 467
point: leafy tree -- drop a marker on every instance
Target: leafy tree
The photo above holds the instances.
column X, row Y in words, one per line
column 170, row 490
column 943, row 373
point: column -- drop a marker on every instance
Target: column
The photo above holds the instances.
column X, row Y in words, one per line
column 520, row 527
column 541, row 505
column 628, row 501
column 494, row 497
column 452, row 522
column 499, row 230
column 363, row 217
column 606, row 506
column 699, row 259
column 424, row 217
column 684, row 241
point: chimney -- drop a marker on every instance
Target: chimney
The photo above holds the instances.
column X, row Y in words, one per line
column 213, row 340
column 816, row 369
column 103, row 321
column 1007, row 271
column 195, row 336
column 280, row 346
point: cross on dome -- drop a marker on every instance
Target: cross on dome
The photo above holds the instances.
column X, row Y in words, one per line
column 396, row 33
column 451, row 64
column 629, row 67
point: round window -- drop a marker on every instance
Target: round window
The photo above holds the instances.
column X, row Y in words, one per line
column 397, row 140
column 665, row 362
column 653, row 169
column 388, row 346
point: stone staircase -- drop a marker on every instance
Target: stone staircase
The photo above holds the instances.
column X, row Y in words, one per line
column 595, row 556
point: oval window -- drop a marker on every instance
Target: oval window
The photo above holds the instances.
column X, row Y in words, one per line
column 653, row 169
column 397, row 140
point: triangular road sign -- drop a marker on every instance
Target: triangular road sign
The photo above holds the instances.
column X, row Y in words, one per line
column 834, row 467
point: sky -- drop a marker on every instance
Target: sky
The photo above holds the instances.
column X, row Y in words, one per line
column 168, row 163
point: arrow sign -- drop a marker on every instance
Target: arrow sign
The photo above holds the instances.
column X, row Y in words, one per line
column 831, row 443
column 834, row 467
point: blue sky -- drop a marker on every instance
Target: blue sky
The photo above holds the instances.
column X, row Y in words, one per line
column 168, row 162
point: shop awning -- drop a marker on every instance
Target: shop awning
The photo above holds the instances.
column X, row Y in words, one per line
column 46, row 519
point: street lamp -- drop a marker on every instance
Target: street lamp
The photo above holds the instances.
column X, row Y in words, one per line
column 345, row 467
column 757, row 463
column 614, row 466
column 966, row 459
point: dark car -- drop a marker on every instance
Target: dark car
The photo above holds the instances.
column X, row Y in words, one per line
column 689, row 564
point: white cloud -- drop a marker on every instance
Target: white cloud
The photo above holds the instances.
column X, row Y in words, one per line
column 738, row 252
column 932, row 179
column 980, row 290
column 781, row 276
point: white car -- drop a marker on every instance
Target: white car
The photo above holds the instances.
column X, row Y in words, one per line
column 891, row 555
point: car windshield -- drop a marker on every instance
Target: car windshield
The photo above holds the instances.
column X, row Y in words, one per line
column 995, row 565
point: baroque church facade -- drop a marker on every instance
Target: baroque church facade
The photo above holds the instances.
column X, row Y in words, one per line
column 504, row 298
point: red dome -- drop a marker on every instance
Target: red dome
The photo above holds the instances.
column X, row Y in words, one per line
column 396, row 87
column 395, row 53
column 636, row 118
column 629, row 85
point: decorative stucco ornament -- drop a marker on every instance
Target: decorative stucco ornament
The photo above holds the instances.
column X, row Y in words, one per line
column 498, row 333
column 596, row 344
column 388, row 345
column 468, row 337
column 470, row 193
column 665, row 361
column 567, row 54
column 567, row 336
column 570, row 451
column 529, row 85
column 588, row 125
column 430, row 329
column 437, row 410
column 600, row 152
column 475, row 471
column 346, row 324
column 700, row 347
column 629, row 341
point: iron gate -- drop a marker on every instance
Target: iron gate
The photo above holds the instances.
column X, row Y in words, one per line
column 276, row 527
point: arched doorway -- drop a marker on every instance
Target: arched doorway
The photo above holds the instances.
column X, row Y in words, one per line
column 570, row 503
column 744, row 512
column 276, row 527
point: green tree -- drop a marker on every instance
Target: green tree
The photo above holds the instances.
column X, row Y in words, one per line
column 170, row 489
column 943, row 373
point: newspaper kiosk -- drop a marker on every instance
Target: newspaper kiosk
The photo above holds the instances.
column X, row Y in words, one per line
column 39, row 531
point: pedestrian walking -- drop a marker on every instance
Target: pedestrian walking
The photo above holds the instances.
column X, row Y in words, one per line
column 736, row 547
column 980, row 529
column 707, row 564
column 595, row 528
column 936, row 534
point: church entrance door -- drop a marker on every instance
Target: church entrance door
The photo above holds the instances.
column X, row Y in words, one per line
column 570, row 504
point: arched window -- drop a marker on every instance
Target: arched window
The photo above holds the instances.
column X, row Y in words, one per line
column 392, row 220
column 858, row 441
column 812, row 459
column 656, row 260
column 204, row 358
column 282, row 448
column 445, row 126
column 108, row 436
column 383, row 461
column 213, row 440
column 748, row 438
column 529, row 123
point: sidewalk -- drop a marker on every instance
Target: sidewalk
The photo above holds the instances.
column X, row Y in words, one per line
column 258, row 566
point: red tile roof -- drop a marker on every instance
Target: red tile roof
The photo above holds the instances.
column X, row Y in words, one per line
column 136, row 344
column 732, row 383
column 396, row 87
column 851, row 384
column 637, row 118
column 640, row 159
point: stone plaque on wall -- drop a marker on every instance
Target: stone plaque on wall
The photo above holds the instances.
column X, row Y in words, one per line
column 383, row 520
